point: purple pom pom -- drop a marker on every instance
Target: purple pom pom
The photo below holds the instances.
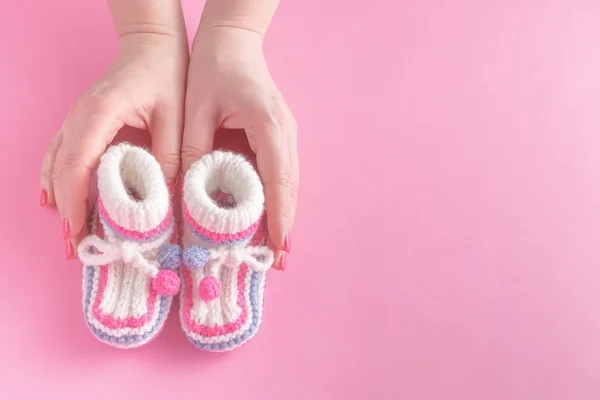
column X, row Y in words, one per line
column 194, row 257
column 169, row 256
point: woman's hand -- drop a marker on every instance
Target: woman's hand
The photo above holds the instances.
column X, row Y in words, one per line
column 143, row 88
column 229, row 86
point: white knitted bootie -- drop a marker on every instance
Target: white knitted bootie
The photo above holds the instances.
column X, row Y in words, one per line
column 130, row 266
column 224, row 258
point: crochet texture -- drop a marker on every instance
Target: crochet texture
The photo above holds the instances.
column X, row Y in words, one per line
column 224, row 258
column 130, row 266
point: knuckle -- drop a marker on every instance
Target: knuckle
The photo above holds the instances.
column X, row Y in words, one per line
column 71, row 161
column 170, row 159
column 100, row 104
column 66, row 201
column 95, row 101
column 189, row 153
column 270, row 127
column 56, row 174
column 46, row 175
column 268, row 118
column 278, row 112
column 285, row 214
column 287, row 181
column 50, row 153
column 169, row 104
column 277, row 118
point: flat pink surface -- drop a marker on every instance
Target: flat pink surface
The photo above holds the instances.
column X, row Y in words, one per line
column 447, row 244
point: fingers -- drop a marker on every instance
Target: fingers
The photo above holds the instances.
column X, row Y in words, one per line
column 166, row 132
column 198, row 135
column 278, row 166
column 292, row 136
column 295, row 168
column 47, row 188
column 85, row 137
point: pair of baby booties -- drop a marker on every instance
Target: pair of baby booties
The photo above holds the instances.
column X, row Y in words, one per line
column 134, row 265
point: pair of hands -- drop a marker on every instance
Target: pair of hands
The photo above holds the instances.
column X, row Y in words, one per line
column 181, row 100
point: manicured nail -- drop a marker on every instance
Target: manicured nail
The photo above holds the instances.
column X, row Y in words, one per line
column 68, row 250
column 283, row 261
column 170, row 184
column 43, row 198
column 66, row 229
column 287, row 242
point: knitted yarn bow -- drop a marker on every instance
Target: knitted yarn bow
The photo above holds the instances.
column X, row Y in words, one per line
column 259, row 258
column 107, row 252
column 95, row 251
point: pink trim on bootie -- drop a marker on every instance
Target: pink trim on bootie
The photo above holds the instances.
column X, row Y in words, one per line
column 224, row 257
column 131, row 230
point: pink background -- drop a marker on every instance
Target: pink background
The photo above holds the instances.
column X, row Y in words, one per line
column 447, row 239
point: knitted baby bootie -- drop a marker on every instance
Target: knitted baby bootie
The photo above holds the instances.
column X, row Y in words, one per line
column 130, row 266
column 224, row 258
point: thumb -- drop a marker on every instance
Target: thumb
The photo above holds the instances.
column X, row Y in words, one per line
column 84, row 141
column 198, row 136
column 166, row 131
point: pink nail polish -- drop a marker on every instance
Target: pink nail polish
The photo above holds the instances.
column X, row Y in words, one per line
column 283, row 261
column 287, row 243
column 68, row 250
column 173, row 187
column 66, row 229
column 43, row 198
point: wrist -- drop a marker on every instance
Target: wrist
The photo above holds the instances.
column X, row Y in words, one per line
column 226, row 46
column 245, row 26
column 147, row 18
column 252, row 16
column 140, row 42
column 227, row 38
column 153, row 50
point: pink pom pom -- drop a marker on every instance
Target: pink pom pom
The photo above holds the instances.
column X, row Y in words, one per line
column 166, row 283
column 209, row 289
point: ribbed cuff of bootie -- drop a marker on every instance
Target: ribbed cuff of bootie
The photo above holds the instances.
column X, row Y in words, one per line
column 223, row 199
column 133, row 198
column 136, row 215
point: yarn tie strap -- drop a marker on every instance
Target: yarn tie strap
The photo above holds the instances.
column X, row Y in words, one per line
column 258, row 258
column 95, row 251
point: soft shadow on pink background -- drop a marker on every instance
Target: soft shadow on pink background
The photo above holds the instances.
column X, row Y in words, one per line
column 447, row 237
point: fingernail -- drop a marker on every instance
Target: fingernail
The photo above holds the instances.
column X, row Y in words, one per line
column 43, row 198
column 170, row 184
column 68, row 250
column 287, row 242
column 283, row 261
column 66, row 229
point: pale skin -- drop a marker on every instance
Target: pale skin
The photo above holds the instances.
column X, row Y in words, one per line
column 181, row 99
